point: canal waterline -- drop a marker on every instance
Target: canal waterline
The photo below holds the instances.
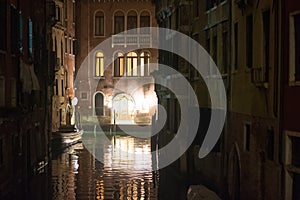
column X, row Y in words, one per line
column 76, row 174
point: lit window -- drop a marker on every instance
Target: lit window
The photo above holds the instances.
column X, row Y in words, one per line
column 30, row 42
column 132, row 63
column 145, row 60
column 99, row 68
column 119, row 66
column 99, row 24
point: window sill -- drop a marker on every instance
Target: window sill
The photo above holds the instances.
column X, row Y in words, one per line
column 118, row 77
column 294, row 83
column 99, row 77
column 99, row 36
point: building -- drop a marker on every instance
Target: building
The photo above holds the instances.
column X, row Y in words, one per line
column 114, row 94
column 63, row 45
column 212, row 29
column 25, row 117
column 253, row 146
column 244, row 40
column 290, row 98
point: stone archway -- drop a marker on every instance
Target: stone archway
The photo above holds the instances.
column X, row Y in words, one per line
column 123, row 109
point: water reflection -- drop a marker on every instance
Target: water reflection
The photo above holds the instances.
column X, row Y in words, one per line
column 76, row 174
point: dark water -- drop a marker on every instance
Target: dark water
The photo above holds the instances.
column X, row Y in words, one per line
column 76, row 174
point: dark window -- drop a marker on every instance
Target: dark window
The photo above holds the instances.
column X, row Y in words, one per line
column 225, row 51
column 296, row 151
column 99, row 24
column 266, row 24
column 14, row 29
column 177, row 115
column 297, row 46
column 247, row 137
column 210, row 4
column 62, row 88
column 62, row 53
column 270, row 144
column 131, row 21
column 74, row 11
column 99, row 104
column 236, row 45
column 215, row 52
column 249, row 41
column 145, row 21
column 1, row 152
column 3, row 24
column 119, row 23
column 56, row 87
column 296, row 186
column 196, row 7
column 58, row 14
column 184, row 18
column 75, row 47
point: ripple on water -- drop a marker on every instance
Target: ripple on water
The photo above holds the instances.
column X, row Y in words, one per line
column 76, row 174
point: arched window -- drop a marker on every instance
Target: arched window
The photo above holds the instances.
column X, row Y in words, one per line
column 99, row 68
column 119, row 65
column 99, row 104
column 131, row 20
column 145, row 21
column 145, row 60
column 132, row 63
column 119, row 22
column 99, row 23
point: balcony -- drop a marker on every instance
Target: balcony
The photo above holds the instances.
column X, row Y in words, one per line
column 131, row 39
column 259, row 77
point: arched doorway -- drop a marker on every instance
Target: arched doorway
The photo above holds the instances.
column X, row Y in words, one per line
column 99, row 104
column 234, row 170
column 123, row 109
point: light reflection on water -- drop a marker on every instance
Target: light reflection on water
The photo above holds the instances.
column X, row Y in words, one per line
column 76, row 174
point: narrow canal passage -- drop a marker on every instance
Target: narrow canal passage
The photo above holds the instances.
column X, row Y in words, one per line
column 76, row 174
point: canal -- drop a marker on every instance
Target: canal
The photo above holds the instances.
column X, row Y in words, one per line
column 74, row 173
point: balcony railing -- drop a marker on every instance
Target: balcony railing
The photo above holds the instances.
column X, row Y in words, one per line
column 131, row 39
column 259, row 76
